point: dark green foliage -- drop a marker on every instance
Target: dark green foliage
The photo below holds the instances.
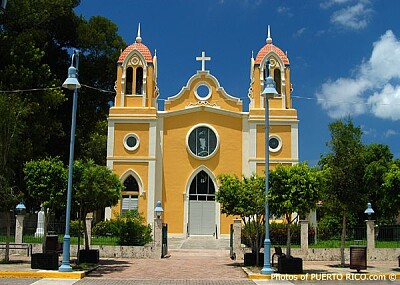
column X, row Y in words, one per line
column 344, row 167
column 95, row 187
column 330, row 227
column 391, row 191
column 74, row 228
column 36, row 38
column 294, row 188
column 277, row 234
column 244, row 198
column 133, row 229
column 106, row 228
column 130, row 228
column 46, row 183
column 253, row 233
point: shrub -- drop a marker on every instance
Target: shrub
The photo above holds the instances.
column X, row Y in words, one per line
column 74, row 228
column 249, row 235
column 133, row 229
column 106, row 228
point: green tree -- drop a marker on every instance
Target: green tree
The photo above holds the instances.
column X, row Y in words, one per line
column 245, row 198
column 100, row 47
column 35, row 38
column 378, row 159
column 94, row 147
column 293, row 189
column 46, row 184
column 391, row 191
column 95, row 187
column 344, row 167
column 12, row 111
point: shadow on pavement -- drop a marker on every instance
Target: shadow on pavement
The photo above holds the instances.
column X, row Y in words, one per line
column 108, row 266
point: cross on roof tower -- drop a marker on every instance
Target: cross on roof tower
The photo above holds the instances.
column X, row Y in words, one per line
column 203, row 58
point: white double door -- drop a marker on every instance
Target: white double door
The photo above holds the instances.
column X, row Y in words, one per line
column 202, row 218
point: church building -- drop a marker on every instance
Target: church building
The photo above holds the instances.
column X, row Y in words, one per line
column 174, row 155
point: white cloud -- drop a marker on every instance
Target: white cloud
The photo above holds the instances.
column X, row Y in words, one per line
column 299, row 32
column 390, row 133
column 330, row 3
column 285, row 11
column 353, row 17
column 385, row 104
column 368, row 132
column 372, row 88
column 343, row 97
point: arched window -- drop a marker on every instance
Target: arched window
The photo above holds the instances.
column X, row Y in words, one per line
column 129, row 79
column 139, row 80
column 277, row 79
column 130, row 195
column 202, row 188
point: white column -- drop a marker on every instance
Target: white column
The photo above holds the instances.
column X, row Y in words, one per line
column 19, row 228
column 304, row 235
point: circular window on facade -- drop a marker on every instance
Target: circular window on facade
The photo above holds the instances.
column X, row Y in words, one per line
column 202, row 141
column 203, row 91
column 131, row 141
column 275, row 143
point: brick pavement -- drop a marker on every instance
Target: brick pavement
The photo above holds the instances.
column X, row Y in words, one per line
column 194, row 264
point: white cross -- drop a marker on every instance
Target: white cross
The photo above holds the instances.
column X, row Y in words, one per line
column 203, row 58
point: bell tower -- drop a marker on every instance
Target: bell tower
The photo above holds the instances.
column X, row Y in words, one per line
column 133, row 140
column 283, row 121
column 136, row 83
column 270, row 60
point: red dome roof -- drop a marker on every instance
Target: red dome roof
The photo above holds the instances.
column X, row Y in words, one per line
column 268, row 48
column 143, row 49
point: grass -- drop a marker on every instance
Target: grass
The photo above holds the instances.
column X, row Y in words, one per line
column 74, row 240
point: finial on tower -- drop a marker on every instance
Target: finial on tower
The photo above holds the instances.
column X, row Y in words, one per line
column 269, row 39
column 138, row 38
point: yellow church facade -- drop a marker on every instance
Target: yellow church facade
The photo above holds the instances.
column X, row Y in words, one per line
column 174, row 155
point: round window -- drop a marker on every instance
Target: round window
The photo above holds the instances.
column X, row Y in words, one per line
column 275, row 143
column 203, row 91
column 202, row 142
column 131, row 141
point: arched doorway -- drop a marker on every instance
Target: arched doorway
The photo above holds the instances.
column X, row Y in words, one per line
column 202, row 205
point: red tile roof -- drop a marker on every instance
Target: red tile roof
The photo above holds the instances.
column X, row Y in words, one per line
column 268, row 48
column 143, row 49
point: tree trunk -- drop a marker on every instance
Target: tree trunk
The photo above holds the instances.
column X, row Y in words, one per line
column 8, row 235
column 45, row 228
column 79, row 231
column 288, row 249
column 343, row 240
column 85, row 231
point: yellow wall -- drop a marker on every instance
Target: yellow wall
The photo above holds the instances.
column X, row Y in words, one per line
column 141, row 169
column 141, row 130
column 179, row 165
column 284, row 132
column 182, row 113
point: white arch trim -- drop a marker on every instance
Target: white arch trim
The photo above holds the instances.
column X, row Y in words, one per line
column 282, row 69
column 198, row 75
column 137, row 177
column 186, row 199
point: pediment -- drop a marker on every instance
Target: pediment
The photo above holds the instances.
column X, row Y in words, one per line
column 203, row 89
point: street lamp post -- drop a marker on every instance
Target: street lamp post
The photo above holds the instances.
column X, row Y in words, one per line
column 268, row 92
column 71, row 83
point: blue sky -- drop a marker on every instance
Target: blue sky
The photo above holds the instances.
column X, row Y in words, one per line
column 344, row 55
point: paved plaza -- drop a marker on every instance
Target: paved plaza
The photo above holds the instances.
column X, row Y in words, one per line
column 198, row 261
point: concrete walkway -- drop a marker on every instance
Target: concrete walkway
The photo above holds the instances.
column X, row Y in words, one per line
column 198, row 242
